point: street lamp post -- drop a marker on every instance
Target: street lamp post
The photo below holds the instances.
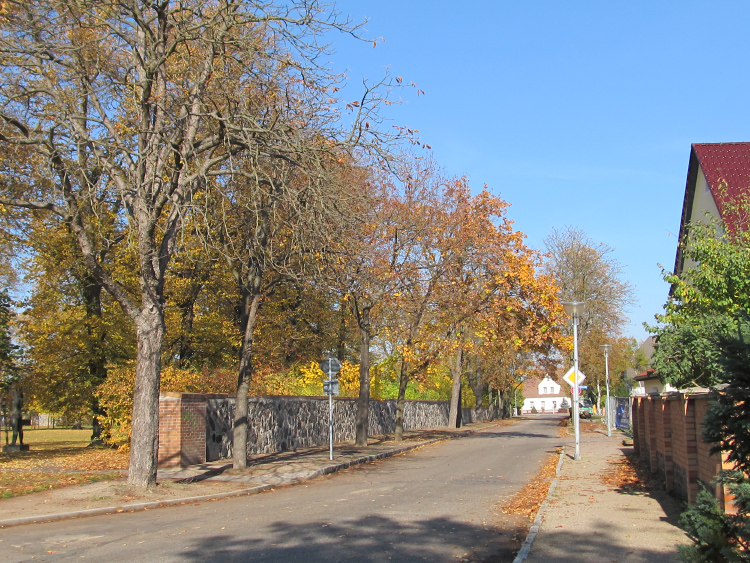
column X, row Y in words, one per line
column 576, row 309
column 607, row 348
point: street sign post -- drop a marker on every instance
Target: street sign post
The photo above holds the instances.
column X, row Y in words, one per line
column 330, row 366
column 331, row 387
column 570, row 378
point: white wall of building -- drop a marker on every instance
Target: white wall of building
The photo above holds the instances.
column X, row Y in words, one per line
column 549, row 397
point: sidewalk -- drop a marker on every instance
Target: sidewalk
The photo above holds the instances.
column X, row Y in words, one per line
column 214, row 480
column 587, row 520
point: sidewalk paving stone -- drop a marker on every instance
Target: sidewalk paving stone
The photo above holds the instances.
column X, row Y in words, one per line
column 586, row 520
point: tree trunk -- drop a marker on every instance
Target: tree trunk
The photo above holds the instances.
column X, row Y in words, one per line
column 144, row 443
column 92, row 297
column 456, row 367
column 507, row 407
column 239, row 437
column 477, row 386
column 403, row 380
column 363, row 403
column 185, row 342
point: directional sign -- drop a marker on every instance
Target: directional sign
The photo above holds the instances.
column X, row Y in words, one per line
column 568, row 377
column 330, row 365
column 331, row 387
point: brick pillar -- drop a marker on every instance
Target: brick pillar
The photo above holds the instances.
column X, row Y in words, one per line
column 679, row 449
column 170, row 425
column 637, row 423
column 709, row 465
column 666, row 422
column 726, row 498
column 644, row 453
column 649, row 439
column 659, row 438
column 193, row 429
column 691, row 440
column 182, row 429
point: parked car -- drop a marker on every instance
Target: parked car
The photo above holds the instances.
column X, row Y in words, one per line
column 585, row 409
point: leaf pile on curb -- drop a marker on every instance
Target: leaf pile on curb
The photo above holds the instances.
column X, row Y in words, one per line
column 528, row 500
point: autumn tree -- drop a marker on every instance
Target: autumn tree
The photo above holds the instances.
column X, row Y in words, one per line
column 70, row 328
column 274, row 216
column 587, row 271
column 8, row 350
column 417, row 213
column 367, row 266
column 491, row 274
column 140, row 106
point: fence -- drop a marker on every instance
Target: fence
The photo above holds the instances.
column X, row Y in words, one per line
column 623, row 412
column 667, row 436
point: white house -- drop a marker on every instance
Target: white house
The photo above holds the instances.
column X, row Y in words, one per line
column 648, row 383
column 546, row 396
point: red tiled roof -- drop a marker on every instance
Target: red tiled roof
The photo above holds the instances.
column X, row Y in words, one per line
column 727, row 170
column 648, row 374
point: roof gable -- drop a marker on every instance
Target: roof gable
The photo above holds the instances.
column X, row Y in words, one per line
column 727, row 170
column 726, row 167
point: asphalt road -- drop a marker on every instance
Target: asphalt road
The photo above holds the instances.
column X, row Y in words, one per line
column 437, row 503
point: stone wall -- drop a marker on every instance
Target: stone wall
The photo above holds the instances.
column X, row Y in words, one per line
column 196, row 428
column 287, row 423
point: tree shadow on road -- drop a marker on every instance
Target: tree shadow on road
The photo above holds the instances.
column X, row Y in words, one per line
column 367, row 539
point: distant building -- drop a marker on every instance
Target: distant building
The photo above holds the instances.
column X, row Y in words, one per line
column 647, row 349
column 648, row 383
column 546, row 396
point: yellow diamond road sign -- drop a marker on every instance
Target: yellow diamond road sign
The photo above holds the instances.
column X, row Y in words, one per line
column 568, row 377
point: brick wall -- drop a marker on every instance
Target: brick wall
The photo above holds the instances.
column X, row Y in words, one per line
column 182, row 428
column 667, row 435
column 708, row 465
column 170, row 430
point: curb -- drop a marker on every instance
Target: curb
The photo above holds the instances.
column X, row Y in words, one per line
column 537, row 524
column 296, row 478
column 128, row 507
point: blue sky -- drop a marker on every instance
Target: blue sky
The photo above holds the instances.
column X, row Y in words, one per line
column 578, row 114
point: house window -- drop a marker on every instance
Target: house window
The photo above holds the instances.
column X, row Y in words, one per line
column 545, row 391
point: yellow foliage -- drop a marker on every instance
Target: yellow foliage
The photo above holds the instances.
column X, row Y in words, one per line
column 116, row 393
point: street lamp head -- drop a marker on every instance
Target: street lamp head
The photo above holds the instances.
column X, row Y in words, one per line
column 606, row 348
column 575, row 309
